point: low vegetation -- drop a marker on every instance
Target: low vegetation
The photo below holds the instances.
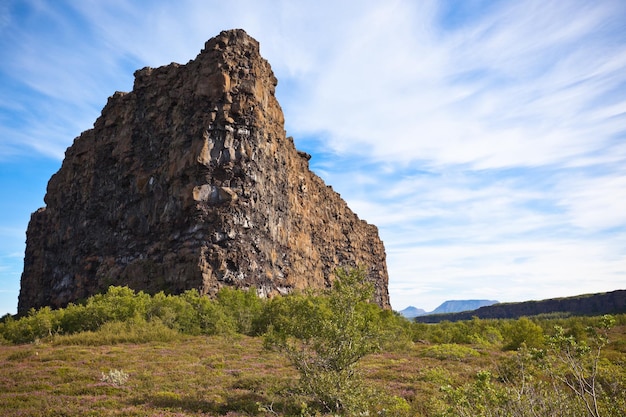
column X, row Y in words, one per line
column 126, row 353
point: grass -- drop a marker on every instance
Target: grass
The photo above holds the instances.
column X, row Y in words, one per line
column 192, row 376
column 216, row 375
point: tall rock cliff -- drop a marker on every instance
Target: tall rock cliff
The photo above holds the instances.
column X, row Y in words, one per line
column 189, row 181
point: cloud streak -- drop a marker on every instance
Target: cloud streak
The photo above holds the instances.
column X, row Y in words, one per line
column 511, row 89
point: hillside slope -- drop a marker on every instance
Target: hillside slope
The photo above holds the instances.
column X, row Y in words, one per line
column 613, row 302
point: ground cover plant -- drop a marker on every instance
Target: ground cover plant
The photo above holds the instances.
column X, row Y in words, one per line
column 125, row 353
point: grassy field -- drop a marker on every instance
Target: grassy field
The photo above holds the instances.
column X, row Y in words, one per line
column 125, row 353
column 192, row 376
column 196, row 376
column 218, row 376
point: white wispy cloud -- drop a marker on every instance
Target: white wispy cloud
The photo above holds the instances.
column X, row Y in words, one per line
column 595, row 203
column 515, row 88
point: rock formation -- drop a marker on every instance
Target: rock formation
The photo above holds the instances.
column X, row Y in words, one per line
column 189, row 181
column 597, row 304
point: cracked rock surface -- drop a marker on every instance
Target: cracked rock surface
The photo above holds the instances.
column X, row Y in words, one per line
column 189, row 181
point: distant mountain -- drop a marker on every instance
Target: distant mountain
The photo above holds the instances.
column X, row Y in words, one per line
column 457, row 306
column 411, row 312
column 613, row 302
column 450, row 306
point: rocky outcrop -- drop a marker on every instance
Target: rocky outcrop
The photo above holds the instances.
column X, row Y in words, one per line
column 613, row 302
column 189, row 181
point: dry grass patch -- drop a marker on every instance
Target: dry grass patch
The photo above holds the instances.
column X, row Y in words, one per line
column 194, row 376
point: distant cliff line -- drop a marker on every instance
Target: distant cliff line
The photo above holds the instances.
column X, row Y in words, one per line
column 613, row 302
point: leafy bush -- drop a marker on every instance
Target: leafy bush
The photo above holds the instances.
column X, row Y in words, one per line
column 450, row 351
column 325, row 336
column 565, row 379
column 475, row 331
column 130, row 331
column 477, row 399
column 576, row 364
column 243, row 308
column 193, row 314
column 36, row 325
column 523, row 331
column 188, row 313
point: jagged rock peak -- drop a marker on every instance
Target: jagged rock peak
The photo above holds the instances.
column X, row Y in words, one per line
column 189, row 181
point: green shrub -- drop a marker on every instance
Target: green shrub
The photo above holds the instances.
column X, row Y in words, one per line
column 234, row 311
column 475, row 332
column 204, row 317
column 169, row 310
column 477, row 399
column 523, row 331
column 568, row 378
column 130, row 331
column 243, row 308
column 450, row 351
column 117, row 304
column 325, row 336
column 38, row 324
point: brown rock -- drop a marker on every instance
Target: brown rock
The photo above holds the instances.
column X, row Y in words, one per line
column 189, row 181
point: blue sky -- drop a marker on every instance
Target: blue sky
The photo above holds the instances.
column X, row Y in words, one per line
column 485, row 139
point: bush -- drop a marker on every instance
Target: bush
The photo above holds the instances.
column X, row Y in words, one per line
column 476, row 332
column 567, row 378
column 243, row 308
column 450, row 351
column 38, row 324
column 523, row 331
column 204, row 316
column 117, row 304
column 188, row 313
column 130, row 331
column 325, row 336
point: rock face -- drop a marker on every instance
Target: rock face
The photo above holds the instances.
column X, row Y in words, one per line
column 613, row 302
column 189, row 181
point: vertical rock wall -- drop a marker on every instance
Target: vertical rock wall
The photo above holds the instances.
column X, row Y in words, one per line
column 189, row 181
